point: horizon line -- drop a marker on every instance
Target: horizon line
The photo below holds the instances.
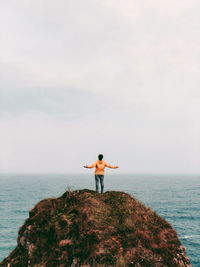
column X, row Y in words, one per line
column 79, row 173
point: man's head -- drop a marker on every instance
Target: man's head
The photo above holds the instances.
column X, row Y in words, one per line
column 100, row 157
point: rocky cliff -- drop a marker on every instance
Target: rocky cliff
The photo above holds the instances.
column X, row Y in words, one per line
column 84, row 228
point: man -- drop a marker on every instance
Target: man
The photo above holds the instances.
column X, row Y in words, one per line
column 100, row 165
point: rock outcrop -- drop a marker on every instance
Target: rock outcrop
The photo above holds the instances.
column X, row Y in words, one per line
column 84, row 228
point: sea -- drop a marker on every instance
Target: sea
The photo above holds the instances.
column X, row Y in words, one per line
column 174, row 197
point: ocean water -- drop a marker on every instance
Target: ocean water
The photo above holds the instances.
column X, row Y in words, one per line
column 174, row 197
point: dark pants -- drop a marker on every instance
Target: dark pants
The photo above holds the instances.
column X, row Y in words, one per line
column 98, row 178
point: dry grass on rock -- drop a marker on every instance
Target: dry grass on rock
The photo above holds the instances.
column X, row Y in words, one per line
column 84, row 228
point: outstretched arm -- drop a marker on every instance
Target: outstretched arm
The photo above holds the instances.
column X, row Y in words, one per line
column 90, row 166
column 110, row 166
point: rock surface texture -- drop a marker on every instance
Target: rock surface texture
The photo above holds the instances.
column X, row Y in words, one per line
column 85, row 229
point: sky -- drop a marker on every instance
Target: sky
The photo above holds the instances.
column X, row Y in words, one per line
column 80, row 78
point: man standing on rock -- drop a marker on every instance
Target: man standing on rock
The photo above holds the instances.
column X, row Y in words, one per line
column 100, row 165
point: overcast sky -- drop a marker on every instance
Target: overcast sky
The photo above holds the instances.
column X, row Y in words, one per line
column 79, row 78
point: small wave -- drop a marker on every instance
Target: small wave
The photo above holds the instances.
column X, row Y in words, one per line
column 20, row 212
column 183, row 217
column 190, row 236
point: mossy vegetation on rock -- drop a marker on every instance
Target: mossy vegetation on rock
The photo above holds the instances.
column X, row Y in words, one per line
column 84, row 228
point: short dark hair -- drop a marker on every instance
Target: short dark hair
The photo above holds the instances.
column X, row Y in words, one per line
column 100, row 156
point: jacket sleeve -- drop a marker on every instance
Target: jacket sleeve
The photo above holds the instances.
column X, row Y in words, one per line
column 109, row 166
column 92, row 165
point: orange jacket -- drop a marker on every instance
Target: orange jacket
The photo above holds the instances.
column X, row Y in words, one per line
column 100, row 166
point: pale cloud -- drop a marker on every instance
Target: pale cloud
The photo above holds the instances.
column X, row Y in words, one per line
column 92, row 45
column 77, row 77
column 67, row 103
